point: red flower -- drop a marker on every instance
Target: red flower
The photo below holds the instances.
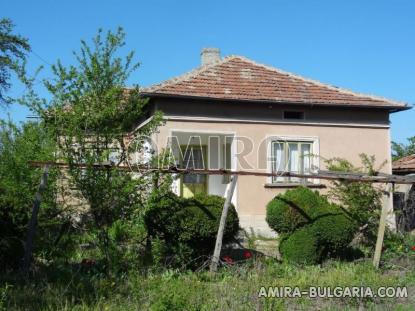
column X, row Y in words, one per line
column 228, row 260
column 88, row 262
column 413, row 248
column 247, row 254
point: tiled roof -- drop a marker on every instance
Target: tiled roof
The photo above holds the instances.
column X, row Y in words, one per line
column 404, row 165
column 238, row 78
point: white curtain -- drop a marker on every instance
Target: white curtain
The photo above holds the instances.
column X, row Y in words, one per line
column 298, row 161
column 278, row 161
column 293, row 154
column 306, row 158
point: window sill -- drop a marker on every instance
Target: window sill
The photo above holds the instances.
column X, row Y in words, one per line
column 294, row 185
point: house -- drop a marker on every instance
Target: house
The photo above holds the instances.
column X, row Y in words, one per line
column 235, row 113
column 404, row 195
column 404, row 166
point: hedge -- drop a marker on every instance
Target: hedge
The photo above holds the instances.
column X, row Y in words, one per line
column 314, row 229
column 295, row 208
column 335, row 232
column 188, row 227
column 301, row 247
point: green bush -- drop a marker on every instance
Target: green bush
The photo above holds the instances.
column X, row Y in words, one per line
column 295, row 208
column 328, row 236
column 301, row 247
column 334, row 233
column 188, row 226
column 18, row 185
column 362, row 200
column 315, row 229
column 160, row 210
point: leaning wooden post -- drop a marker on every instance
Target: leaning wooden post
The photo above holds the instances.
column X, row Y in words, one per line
column 386, row 207
column 31, row 230
column 218, row 246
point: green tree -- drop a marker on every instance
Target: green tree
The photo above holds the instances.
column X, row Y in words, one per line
column 400, row 150
column 363, row 201
column 18, row 185
column 13, row 49
column 93, row 113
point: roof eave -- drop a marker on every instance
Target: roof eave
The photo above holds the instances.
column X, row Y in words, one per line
column 400, row 171
column 390, row 108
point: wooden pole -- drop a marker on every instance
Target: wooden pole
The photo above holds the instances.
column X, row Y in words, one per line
column 386, row 207
column 218, row 245
column 31, row 230
column 324, row 175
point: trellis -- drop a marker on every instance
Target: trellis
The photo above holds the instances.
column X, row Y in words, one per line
column 388, row 179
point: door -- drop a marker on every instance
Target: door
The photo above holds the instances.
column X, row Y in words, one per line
column 194, row 157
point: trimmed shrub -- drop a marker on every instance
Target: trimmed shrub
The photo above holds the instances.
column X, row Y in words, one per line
column 326, row 237
column 301, row 247
column 334, row 233
column 295, row 208
column 159, row 213
column 199, row 220
column 189, row 226
column 315, row 229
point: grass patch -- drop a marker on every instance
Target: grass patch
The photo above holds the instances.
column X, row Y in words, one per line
column 233, row 288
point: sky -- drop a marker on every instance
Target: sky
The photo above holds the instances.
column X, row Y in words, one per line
column 366, row 46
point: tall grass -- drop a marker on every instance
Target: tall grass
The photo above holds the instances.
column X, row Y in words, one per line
column 233, row 288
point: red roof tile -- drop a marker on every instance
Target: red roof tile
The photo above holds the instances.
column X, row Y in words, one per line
column 238, row 78
column 404, row 165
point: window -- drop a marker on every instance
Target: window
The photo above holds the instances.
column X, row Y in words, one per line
column 291, row 156
column 226, row 179
column 193, row 158
column 293, row 115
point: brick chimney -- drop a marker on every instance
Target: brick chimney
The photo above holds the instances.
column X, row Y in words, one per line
column 210, row 56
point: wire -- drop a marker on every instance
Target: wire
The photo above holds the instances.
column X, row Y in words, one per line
column 41, row 58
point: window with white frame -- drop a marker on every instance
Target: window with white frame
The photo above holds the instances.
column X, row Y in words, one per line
column 291, row 156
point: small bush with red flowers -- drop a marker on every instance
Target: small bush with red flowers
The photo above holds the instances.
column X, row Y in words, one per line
column 398, row 246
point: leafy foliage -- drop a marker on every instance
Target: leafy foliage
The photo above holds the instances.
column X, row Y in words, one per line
column 334, row 233
column 301, row 247
column 400, row 150
column 189, row 226
column 18, row 185
column 312, row 228
column 362, row 201
column 93, row 114
column 13, row 49
column 295, row 208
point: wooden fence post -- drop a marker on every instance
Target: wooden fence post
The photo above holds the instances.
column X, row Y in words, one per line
column 218, row 245
column 386, row 206
column 31, row 229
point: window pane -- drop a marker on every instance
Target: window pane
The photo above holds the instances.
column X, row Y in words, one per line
column 193, row 159
column 293, row 154
column 278, row 160
column 306, row 158
column 296, row 115
column 293, row 157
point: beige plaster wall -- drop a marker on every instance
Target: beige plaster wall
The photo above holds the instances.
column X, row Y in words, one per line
column 333, row 141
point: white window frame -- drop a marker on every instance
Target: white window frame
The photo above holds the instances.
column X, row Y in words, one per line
column 315, row 150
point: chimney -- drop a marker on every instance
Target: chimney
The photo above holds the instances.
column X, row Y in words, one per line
column 210, row 56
